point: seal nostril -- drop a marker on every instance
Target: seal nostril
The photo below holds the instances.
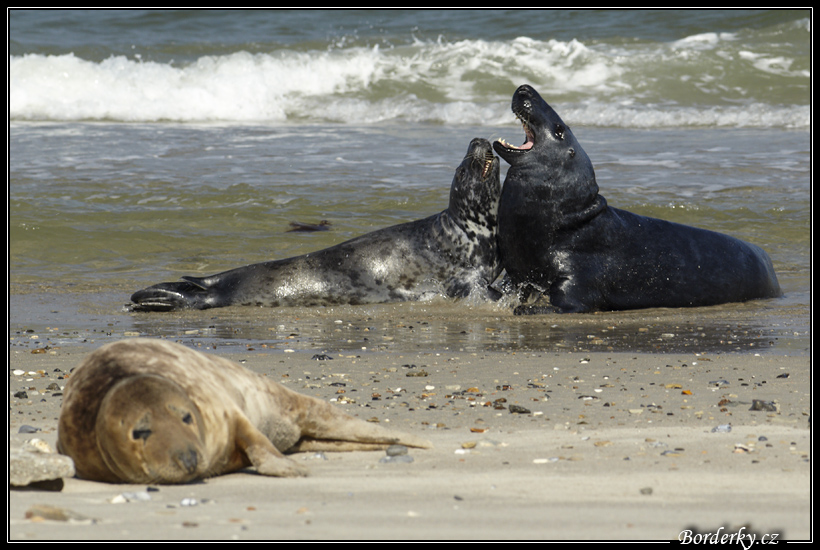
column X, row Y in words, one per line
column 188, row 459
column 571, row 152
column 141, row 434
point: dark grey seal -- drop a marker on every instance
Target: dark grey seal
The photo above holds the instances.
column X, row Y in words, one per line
column 452, row 253
column 558, row 236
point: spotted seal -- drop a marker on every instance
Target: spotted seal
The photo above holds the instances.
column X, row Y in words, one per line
column 559, row 236
column 152, row 411
column 452, row 253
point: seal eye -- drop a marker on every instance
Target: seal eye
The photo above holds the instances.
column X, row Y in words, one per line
column 188, row 419
column 141, row 434
column 559, row 131
column 571, row 153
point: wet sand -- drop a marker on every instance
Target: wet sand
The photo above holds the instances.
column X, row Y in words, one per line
column 609, row 444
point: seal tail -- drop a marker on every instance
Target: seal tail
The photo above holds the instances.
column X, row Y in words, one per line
column 191, row 293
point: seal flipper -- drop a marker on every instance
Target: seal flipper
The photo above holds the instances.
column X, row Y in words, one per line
column 263, row 455
column 326, row 428
column 190, row 294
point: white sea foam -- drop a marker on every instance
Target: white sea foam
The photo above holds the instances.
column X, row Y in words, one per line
column 467, row 81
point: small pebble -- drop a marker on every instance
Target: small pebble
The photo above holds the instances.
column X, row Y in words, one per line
column 26, row 429
column 723, row 428
column 761, row 405
column 396, row 450
column 131, row 497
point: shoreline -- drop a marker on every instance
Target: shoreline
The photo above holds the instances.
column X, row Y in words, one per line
column 616, row 445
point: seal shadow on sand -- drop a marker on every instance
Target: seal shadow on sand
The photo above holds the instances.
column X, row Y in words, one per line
column 452, row 253
column 151, row 411
column 558, row 236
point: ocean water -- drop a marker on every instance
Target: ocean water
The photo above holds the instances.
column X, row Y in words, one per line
column 149, row 144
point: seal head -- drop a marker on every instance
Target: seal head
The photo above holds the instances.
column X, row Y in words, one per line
column 150, row 430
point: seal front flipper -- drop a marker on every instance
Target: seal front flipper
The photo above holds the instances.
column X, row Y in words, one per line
column 189, row 294
column 261, row 453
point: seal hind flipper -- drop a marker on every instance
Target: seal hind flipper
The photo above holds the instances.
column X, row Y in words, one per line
column 324, row 427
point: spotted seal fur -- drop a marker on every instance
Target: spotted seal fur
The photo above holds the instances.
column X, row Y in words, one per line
column 452, row 253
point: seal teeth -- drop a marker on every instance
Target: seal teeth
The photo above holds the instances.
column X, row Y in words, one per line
column 488, row 162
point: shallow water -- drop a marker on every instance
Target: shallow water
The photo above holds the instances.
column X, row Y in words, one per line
column 149, row 149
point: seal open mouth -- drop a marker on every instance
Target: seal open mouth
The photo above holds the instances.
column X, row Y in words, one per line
column 481, row 154
column 488, row 163
column 526, row 146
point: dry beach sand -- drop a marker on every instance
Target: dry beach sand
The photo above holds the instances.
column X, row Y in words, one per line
column 607, row 443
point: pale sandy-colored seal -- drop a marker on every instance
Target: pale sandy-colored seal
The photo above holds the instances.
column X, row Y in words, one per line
column 151, row 411
column 557, row 235
column 452, row 253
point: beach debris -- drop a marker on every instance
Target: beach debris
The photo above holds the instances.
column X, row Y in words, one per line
column 26, row 429
column 646, row 490
column 44, row 512
column 130, row 496
column 761, row 405
column 396, row 450
column 722, row 428
column 673, row 452
column 396, row 454
column 322, row 357
column 518, row 409
column 34, row 462
column 323, row 225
